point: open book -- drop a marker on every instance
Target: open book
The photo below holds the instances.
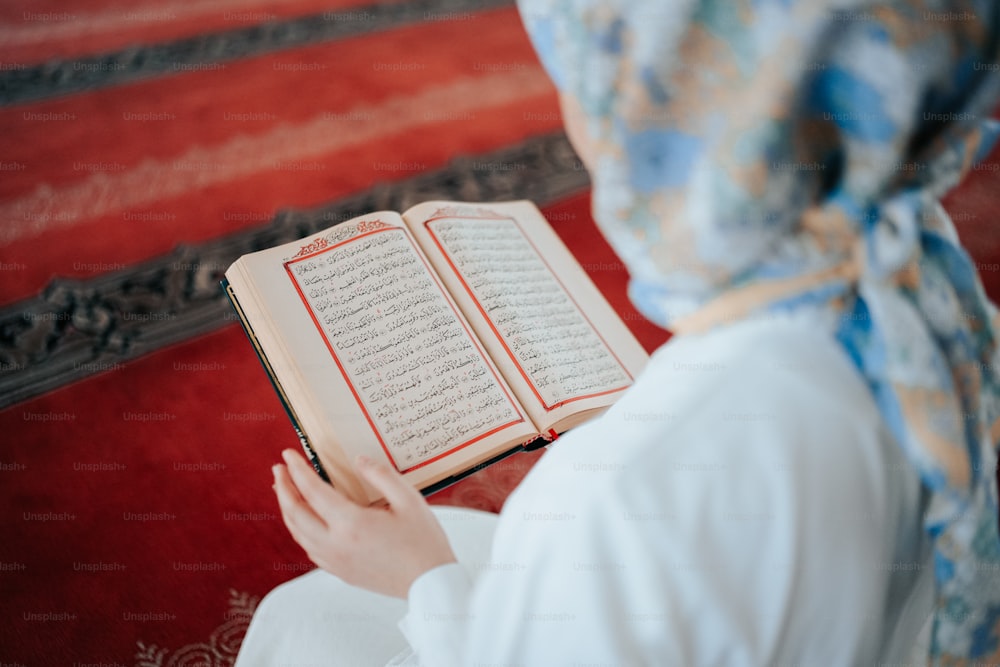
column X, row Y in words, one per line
column 438, row 340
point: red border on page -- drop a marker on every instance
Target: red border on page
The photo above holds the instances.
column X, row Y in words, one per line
column 347, row 378
column 489, row 320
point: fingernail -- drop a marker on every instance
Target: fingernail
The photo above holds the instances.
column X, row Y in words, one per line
column 274, row 471
column 288, row 455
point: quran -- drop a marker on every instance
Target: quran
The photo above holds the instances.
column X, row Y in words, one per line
column 438, row 340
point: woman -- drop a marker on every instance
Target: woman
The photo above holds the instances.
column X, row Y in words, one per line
column 805, row 472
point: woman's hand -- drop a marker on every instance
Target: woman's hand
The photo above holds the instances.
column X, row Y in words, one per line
column 377, row 548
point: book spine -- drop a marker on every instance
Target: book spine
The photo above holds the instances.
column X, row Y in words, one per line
column 248, row 330
column 543, row 440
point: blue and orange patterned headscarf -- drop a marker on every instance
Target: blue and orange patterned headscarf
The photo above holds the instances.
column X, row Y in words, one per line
column 754, row 156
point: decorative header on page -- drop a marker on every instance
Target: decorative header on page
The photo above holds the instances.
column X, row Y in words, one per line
column 339, row 233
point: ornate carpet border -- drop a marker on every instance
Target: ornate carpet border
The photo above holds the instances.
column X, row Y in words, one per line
column 221, row 648
column 79, row 327
column 61, row 77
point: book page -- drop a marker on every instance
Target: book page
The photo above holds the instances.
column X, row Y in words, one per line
column 383, row 350
column 414, row 368
column 532, row 305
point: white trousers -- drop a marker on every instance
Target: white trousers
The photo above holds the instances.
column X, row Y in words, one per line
column 317, row 619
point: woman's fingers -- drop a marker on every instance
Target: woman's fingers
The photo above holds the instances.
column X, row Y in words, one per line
column 326, row 501
column 397, row 491
column 381, row 550
column 300, row 518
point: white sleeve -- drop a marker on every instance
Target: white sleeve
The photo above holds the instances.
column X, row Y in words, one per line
column 562, row 589
column 438, row 614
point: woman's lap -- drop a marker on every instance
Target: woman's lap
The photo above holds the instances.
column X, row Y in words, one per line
column 317, row 619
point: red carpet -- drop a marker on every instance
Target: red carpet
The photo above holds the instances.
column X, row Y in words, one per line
column 141, row 523
column 129, row 172
column 136, row 491
column 37, row 30
column 140, row 497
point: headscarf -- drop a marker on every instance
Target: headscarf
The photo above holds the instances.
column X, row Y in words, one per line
column 750, row 157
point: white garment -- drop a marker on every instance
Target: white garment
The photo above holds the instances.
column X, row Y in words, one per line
column 742, row 504
column 317, row 619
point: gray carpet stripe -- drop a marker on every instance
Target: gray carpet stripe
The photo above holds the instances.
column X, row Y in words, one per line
column 63, row 77
column 79, row 327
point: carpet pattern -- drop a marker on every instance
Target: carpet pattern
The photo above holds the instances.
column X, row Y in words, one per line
column 144, row 150
column 78, row 327
column 221, row 647
column 203, row 32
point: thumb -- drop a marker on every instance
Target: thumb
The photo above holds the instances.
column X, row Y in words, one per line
column 388, row 482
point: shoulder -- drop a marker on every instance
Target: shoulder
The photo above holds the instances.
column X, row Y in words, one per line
column 741, row 479
column 768, row 405
column 762, row 439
